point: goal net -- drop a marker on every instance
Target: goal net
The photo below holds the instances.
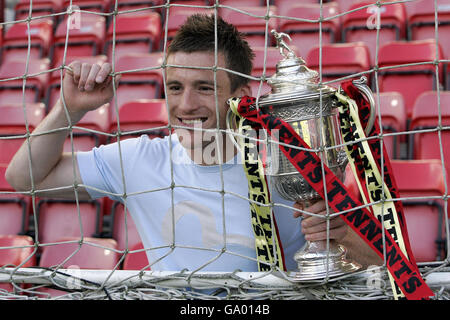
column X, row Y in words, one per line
column 94, row 249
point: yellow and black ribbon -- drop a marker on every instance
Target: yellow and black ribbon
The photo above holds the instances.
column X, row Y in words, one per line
column 267, row 245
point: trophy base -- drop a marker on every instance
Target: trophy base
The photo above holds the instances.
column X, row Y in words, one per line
column 316, row 263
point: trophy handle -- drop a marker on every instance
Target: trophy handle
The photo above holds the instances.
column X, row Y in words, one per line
column 361, row 84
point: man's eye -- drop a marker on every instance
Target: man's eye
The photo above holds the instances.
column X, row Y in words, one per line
column 174, row 88
column 207, row 89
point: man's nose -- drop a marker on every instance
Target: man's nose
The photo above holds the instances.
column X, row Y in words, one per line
column 187, row 101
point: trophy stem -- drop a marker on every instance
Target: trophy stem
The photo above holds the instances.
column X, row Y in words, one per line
column 315, row 262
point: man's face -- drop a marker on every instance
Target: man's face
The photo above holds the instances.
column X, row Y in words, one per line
column 191, row 97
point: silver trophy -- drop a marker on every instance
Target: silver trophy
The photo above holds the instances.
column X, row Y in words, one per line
column 311, row 109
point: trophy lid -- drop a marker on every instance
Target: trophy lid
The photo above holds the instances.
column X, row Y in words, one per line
column 293, row 80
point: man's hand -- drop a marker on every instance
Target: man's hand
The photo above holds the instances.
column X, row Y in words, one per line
column 86, row 87
column 315, row 228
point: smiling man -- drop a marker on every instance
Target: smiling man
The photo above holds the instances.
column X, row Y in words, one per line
column 192, row 212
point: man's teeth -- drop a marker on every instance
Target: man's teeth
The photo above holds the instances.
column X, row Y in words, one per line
column 193, row 121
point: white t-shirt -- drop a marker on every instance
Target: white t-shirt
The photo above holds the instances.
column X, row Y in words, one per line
column 178, row 207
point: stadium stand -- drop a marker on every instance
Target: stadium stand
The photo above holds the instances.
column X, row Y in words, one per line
column 86, row 36
column 14, row 90
column 124, row 5
column 15, row 42
column 133, row 33
column 307, row 34
column 340, row 60
column 142, row 84
column 94, row 254
column 420, row 179
column 428, row 115
column 22, row 255
column 89, row 5
column 251, row 24
column 409, row 78
column 393, row 120
column 270, row 56
column 421, row 22
column 59, row 218
column 146, row 116
column 40, row 8
column 360, row 25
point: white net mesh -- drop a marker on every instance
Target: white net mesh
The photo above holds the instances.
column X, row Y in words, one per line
column 100, row 31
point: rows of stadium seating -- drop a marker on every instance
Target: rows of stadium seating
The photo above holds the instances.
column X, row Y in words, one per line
column 407, row 101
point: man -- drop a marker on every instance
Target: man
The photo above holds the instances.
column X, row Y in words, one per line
column 187, row 193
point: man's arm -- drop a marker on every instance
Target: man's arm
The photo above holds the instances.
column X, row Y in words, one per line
column 86, row 88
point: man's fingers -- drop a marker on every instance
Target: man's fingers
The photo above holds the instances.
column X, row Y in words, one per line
column 103, row 73
column 91, row 78
column 337, row 233
column 316, row 224
column 84, row 73
column 76, row 71
column 316, row 208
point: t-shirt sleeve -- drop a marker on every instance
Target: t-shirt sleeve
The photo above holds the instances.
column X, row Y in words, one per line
column 102, row 170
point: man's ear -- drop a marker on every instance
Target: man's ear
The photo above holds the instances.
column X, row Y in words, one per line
column 244, row 90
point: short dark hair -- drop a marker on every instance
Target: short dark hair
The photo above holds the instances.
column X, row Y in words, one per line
column 198, row 34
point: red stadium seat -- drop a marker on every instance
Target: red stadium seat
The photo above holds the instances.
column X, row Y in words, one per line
column 425, row 116
column 421, row 22
column 306, row 34
column 23, row 256
column 86, row 36
column 146, row 115
column 123, row 5
column 12, row 121
column 133, row 34
column 393, row 120
column 417, row 179
column 136, row 260
column 344, row 5
column 190, row 3
column 93, row 253
column 61, row 218
column 40, row 8
column 15, row 43
column 243, row 3
column 339, row 60
column 11, row 91
column 13, row 213
column 16, row 256
column 360, row 25
column 252, row 23
column 142, row 84
column 410, row 81
column 283, row 4
column 89, row 5
column 125, row 233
